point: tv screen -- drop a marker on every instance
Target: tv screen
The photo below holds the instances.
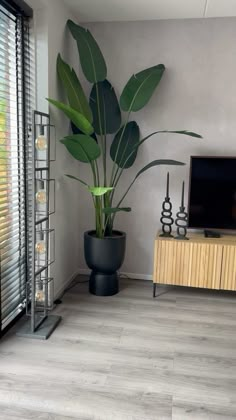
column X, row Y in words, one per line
column 212, row 193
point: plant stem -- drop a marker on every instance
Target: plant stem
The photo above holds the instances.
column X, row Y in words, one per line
column 103, row 137
column 99, row 224
column 123, row 197
column 97, row 173
column 94, row 173
column 108, row 219
column 97, row 201
column 105, row 156
column 119, row 171
column 107, row 228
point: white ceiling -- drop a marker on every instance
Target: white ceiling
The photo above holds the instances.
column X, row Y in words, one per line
column 125, row 10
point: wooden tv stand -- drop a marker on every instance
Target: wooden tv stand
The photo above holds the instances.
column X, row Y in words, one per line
column 199, row 262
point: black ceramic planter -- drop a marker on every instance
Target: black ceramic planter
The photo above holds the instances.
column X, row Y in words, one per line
column 104, row 257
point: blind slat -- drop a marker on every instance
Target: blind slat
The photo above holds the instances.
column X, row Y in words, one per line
column 15, row 109
column 10, row 267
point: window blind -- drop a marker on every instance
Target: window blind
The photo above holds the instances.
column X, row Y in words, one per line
column 15, row 113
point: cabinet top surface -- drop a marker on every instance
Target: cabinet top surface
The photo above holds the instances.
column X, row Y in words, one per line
column 199, row 237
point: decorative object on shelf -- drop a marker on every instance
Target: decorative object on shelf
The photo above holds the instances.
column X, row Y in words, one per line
column 41, row 143
column 91, row 124
column 44, row 247
column 40, row 246
column 182, row 219
column 41, row 195
column 39, row 296
column 41, row 240
column 166, row 219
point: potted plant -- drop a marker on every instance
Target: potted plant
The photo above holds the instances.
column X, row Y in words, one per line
column 92, row 121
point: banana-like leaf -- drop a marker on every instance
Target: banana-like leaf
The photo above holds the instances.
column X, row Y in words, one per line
column 157, row 163
column 73, row 88
column 136, row 146
column 77, row 179
column 105, row 108
column 76, row 130
column 184, row 132
column 82, row 147
column 112, row 210
column 124, row 143
column 149, row 166
column 76, row 117
column 98, row 191
column 91, row 58
column 140, row 88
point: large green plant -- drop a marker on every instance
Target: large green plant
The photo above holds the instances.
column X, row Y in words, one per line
column 93, row 120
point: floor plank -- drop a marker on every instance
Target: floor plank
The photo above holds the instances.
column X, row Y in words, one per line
column 126, row 357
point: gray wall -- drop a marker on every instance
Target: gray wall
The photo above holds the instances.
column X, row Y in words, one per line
column 51, row 37
column 197, row 92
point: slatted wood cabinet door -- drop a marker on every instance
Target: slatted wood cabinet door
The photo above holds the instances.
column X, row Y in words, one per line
column 228, row 273
column 195, row 263
column 172, row 263
column 206, row 260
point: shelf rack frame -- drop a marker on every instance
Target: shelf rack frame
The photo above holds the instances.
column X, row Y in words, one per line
column 40, row 323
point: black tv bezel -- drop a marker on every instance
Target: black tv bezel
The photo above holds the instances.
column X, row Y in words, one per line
column 189, row 192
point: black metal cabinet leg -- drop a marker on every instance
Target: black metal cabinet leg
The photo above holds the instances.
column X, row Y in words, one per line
column 154, row 290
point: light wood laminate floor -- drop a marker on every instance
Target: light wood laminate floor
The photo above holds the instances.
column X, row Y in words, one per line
column 126, row 357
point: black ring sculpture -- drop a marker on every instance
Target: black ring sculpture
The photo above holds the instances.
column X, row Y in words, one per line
column 182, row 220
column 166, row 219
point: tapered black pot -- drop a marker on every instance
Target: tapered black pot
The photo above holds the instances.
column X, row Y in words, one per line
column 104, row 257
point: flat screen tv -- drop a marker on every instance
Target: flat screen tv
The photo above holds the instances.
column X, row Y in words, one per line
column 212, row 193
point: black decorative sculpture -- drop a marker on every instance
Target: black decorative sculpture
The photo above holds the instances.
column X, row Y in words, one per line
column 166, row 219
column 181, row 219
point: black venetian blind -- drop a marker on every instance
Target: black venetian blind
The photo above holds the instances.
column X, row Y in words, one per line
column 15, row 112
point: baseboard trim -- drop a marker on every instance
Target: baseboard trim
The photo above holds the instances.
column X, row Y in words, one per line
column 60, row 292
column 86, row 272
column 135, row 276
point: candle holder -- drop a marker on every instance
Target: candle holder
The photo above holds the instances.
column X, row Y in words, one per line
column 181, row 220
column 166, row 219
